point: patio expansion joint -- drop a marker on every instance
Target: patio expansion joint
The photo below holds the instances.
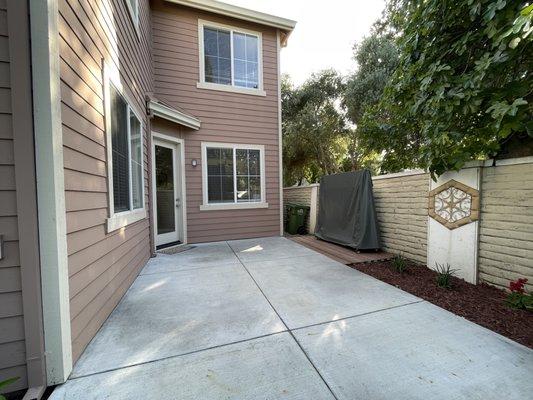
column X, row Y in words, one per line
column 189, row 269
column 72, row 378
column 358, row 315
column 287, row 328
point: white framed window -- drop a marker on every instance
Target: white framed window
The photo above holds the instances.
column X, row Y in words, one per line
column 125, row 155
column 230, row 59
column 133, row 8
column 233, row 176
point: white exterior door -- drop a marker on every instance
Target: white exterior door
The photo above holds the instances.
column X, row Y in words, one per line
column 167, row 185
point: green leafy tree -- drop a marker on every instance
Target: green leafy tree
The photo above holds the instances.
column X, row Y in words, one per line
column 314, row 127
column 377, row 58
column 462, row 86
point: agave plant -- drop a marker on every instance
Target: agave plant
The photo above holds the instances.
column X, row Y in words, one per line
column 399, row 263
column 444, row 275
column 5, row 383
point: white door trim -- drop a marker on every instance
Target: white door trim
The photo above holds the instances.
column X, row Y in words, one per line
column 181, row 148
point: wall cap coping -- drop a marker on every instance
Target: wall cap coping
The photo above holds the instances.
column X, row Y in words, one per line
column 302, row 186
column 400, row 174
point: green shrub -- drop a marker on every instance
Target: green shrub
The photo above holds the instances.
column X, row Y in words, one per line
column 444, row 275
column 7, row 382
column 399, row 263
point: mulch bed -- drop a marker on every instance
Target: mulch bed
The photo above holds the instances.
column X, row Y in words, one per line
column 481, row 304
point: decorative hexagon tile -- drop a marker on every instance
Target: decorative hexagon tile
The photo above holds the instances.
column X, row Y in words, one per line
column 454, row 204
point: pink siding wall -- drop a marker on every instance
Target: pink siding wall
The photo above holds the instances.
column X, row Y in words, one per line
column 226, row 117
column 102, row 265
column 12, row 343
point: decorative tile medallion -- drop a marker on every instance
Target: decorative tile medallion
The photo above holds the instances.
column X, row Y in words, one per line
column 454, row 204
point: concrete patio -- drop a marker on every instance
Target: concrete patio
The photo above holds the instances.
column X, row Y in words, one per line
column 270, row 319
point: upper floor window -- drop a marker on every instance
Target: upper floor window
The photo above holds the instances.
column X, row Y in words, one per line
column 230, row 59
column 133, row 8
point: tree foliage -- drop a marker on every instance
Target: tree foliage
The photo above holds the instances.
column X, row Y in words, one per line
column 462, row 86
column 314, row 128
column 377, row 58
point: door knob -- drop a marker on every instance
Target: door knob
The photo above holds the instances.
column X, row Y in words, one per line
column 178, row 202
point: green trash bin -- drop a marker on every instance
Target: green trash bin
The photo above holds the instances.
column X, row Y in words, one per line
column 296, row 215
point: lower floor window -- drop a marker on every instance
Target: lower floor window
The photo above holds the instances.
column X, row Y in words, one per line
column 126, row 154
column 233, row 174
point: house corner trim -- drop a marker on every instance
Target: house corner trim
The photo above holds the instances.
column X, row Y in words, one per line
column 280, row 136
column 50, row 189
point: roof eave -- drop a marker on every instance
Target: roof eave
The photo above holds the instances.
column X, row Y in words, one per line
column 171, row 114
column 242, row 13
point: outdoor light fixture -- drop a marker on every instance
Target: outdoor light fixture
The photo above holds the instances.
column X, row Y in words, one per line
column 194, row 163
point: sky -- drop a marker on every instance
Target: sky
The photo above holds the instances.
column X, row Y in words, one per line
column 325, row 32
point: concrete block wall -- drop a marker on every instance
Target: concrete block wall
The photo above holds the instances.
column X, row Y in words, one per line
column 402, row 208
column 506, row 226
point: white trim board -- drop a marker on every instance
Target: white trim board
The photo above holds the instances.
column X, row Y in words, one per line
column 280, row 136
column 50, row 189
column 181, row 142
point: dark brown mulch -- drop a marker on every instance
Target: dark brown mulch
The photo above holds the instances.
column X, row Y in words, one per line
column 482, row 304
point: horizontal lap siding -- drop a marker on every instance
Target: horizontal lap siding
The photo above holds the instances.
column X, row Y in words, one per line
column 402, row 209
column 506, row 226
column 226, row 117
column 12, row 343
column 102, row 265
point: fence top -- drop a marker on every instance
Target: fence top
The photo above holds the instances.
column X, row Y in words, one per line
column 302, row 187
column 471, row 164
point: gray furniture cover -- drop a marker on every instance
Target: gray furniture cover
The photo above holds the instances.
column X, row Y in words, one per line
column 347, row 215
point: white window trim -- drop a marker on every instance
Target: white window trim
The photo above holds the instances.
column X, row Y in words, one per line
column 124, row 218
column 229, row 88
column 232, row 206
column 134, row 14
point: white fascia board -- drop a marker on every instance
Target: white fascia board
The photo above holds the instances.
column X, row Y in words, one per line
column 50, row 189
column 171, row 114
column 242, row 13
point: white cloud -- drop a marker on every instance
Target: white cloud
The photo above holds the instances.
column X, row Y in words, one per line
column 325, row 32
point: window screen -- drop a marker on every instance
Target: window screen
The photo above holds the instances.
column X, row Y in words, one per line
column 120, row 151
column 245, row 60
column 248, row 175
column 217, row 53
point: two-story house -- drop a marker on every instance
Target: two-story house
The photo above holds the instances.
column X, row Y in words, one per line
column 125, row 126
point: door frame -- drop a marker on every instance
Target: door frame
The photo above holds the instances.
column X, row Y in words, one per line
column 180, row 144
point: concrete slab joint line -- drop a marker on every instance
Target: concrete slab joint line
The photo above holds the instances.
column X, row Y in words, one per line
column 288, row 330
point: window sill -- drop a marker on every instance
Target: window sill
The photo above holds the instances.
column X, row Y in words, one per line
column 232, row 206
column 229, row 88
column 125, row 218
